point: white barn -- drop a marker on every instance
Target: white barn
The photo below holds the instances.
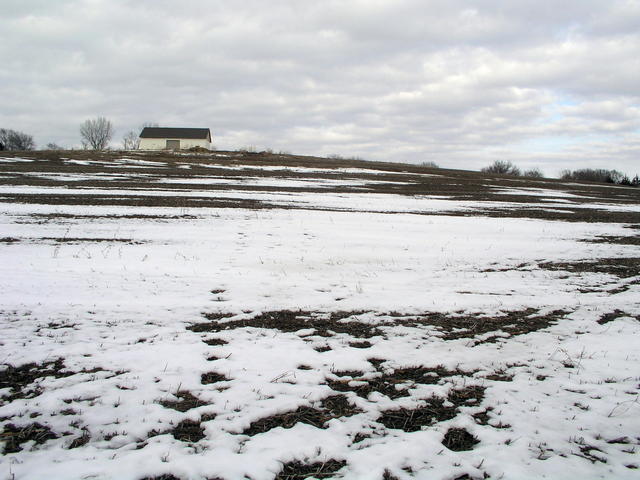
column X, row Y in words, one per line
column 162, row 138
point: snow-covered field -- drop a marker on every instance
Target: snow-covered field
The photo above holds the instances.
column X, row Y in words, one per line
column 339, row 334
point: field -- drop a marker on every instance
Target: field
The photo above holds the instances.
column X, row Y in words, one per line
column 240, row 315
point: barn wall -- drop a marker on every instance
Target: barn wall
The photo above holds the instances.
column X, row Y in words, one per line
column 160, row 143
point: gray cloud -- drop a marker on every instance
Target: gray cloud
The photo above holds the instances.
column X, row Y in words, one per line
column 457, row 82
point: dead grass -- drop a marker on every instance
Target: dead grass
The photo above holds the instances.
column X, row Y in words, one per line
column 432, row 410
column 14, row 436
column 325, row 324
column 459, row 440
column 450, row 326
column 188, row 431
column 21, row 379
column 394, row 383
column 186, row 401
column 335, row 406
column 300, row 471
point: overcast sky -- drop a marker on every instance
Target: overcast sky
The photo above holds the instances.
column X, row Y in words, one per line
column 461, row 83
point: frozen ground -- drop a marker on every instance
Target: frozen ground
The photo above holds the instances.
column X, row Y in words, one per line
column 292, row 325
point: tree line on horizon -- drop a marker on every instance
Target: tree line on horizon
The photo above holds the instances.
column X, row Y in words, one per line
column 595, row 175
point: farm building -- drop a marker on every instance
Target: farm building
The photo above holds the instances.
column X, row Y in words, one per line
column 161, row 138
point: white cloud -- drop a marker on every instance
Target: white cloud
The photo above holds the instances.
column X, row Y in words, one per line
column 456, row 82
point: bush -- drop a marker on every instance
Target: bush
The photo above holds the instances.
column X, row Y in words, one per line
column 599, row 175
column 199, row 149
column 502, row 167
column 533, row 173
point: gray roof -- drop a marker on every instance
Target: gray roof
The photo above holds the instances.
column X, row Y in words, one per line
column 178, row 133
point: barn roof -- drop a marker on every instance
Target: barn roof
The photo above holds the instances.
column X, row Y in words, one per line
column 186, row 133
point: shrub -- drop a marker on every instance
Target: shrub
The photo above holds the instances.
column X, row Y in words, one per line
column 503, row 167
column 533, row 173
column 597, row 175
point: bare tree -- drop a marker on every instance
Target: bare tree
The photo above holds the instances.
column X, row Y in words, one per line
column 12, row 140
column 96, row 133
column 131, row 141
column 503, row 167
column 54, row 146
column 430, row 164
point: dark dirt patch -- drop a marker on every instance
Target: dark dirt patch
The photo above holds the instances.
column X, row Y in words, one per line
column 188, row 431
column 300, row 471
column 435, row 410
column 326, row 325
column 359, row 437
column 618, row 240
column 89, row 240
column 9, row 240
column 186, row 402
column 611, row 316
column 451, row 327
column 387, row 475
column 459, row 440
column 395, row 383
column 322, row 348
column 348, row 373
column 14, row 436
column 212, row 377
column 412, row 420
column 162, row 477
column 215, row 342
column 519, row 322
column 335, row 406
column 21, row 379
column 620, row 267
column 482, row 418
column 500, row 376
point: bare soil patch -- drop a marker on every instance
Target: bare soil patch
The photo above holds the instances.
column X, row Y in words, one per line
column 620, row 267
column 188, row 431
column 186, row 401
column 300, row 471
column 335, row 406
column 395, row 383
column 325, row 325
column 213, row 377
column 459, row 440
column 21, row 379
column 449, row 326
column 519, row 322
column 434, row 410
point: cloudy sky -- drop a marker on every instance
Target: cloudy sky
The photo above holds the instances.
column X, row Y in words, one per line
column 461, row 83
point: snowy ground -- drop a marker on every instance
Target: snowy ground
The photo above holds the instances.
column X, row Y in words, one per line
column 339, row 334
